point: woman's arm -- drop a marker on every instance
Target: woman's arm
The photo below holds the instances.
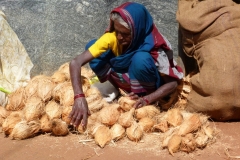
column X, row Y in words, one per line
column 79, row 113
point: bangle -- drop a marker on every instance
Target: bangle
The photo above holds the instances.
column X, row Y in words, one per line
column 145, row 99
column 79, row 95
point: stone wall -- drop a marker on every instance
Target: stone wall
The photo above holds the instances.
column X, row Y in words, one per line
column 55, row 31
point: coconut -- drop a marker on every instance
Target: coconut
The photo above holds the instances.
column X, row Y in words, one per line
column 109, row 115
column 146, row 111
column 174, row 117
column 86, row 72
column 58, row 77
column 174, row 144
column 190, row 125
column 117, row 132
column 45, row 87
column 85, row 83
column 16, row 100
column 24, row 129
column 90, row 124
column 45, row 124
column 146, row 124
column 102, row 136
column 201, row 140
column 208, row 131
column 64, row 68
column 126, row 103
column 3, row 114
column 32, row 86
column 134, row 132
column 57, row 91
column 188, row 143
column 166, row 136
column 34, row 108
column 126, row 118
column 67, row 95
column 53, row 110
column 161, row 126
column 10, row 122
column 65, row 114
column 59, row 127
column 92, row 94
column 96, row 105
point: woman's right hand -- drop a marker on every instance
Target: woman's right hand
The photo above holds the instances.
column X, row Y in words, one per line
column 80, row 112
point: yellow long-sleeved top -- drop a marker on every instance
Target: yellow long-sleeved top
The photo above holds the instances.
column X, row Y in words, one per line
column 105, row 42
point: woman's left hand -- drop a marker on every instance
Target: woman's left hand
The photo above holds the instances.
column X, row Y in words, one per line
column 140, row 102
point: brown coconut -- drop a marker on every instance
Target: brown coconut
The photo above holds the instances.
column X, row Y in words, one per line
column 92, row 94
column 96, row 105
column 85, row 83
column 34, row 108
column 117, row 132
column 3, row 114
column 109, row 115
column 146, row 124
column 174, row 117
column 24, row 129
column 58, row 77
column 146, row 111
column 57, row 91
column 16, row 100
column 67, row 95
column 134, row 132
column 53, row 110
column 126, row 119
column 86, row 72
column 32, row 86
column 126, row 103
column 190, row 125
column 102, row 136
column 188, row 143
column 64, row 68
column 45, row 124
column 88, row 128
column 45, row 87
column 65, row 114
column 166, row 136
column 174, row 144
column 161, row 126
column 59, row 127
column 10, row 122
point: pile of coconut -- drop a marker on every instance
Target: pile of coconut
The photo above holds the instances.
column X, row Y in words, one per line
column 43, row 106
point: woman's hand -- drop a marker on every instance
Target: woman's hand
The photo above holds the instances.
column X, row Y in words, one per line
column 140, row 101
column 80, row 112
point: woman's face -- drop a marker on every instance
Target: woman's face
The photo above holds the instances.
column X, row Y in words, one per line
column 123, row 34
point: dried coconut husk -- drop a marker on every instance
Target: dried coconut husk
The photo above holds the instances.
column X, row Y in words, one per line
column 146, row 111
column 161, row 126
column 134, row 132
column 85, row 83
column 208, row 130
column 126, row 119
column 97, row 105
column 174, row 117
column 65, row 114
column 102, row 136
column 53, row 110
column 126, row 103
column 109, row 115
column 201, row 140
column 86, row 72
column 57, row 91
column 10, row 122
column 24, row 129
column 146, row 124
column 92, row 119
column 59, row 127
column 32, row 86
column 92, row 94
column 188, row 143
column 167, row 135
column 64, row 68
column 59, row 77
column 67, row 95
column 45, row 124
column 16, row 100
column 45, row 87
column 190, row 125
column 174, row 144
column 34, row 108
column 3, row 114
column 117, row 132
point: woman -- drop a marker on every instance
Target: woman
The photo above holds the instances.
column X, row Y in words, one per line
column 132, row 55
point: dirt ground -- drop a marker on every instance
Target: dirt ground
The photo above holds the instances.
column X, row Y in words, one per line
column 72, row 147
